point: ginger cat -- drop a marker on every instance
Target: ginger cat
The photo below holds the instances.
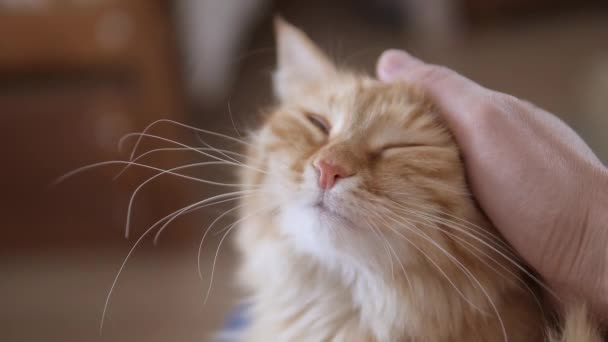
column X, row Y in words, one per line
column 361, row 226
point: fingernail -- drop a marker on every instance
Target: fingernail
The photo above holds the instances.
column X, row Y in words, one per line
column 393, row 63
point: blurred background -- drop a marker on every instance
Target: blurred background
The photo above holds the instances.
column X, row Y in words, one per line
column 78, row 75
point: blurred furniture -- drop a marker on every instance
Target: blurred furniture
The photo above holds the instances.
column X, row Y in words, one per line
column 214, row 34
column 75, row 76
column 213, row 58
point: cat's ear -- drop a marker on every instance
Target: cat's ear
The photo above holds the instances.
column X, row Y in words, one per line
column 301, row 64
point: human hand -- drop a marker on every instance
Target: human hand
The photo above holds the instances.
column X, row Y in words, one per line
column 535, row 178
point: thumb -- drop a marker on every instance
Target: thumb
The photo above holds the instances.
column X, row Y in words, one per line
column 449, row 89
column 396, row 65
column 456, row 96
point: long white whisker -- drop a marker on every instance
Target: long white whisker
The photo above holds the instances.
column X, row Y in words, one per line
column 156, row 150
column 187, row 210
column 121, row 162
column 132, row 199
column 206, row 201
column 508, row 258
column 200, row 246
column 466, row 271
column 214, row 157
column 382, row 239
column 468, row 246
column 200, row 139
column 392, row 250
column 134, row 150
column 428, row 213
column 231, row 227
column 426, row 255
column 465, row 223
column 232, row 120
column 236, row 198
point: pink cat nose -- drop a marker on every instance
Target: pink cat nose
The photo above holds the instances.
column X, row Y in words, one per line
column 329, row 173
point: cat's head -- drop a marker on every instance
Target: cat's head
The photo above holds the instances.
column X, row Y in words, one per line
column 360, row 172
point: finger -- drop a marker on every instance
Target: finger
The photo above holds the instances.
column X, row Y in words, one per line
column 393, row 65
column 460, row 100
column 444, row 85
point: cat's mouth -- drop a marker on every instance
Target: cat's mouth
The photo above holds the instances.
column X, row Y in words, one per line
column 321, row 206
column 321, row 203
column 328, row 211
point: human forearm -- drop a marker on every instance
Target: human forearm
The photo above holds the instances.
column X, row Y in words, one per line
column 598, row 223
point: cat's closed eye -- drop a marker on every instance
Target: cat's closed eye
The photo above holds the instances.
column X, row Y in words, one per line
column 398, row 146
column 318, row 121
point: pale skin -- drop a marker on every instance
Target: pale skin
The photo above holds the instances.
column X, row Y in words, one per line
column 536, row 179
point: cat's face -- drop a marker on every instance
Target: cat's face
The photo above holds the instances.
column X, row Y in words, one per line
column 361, row 172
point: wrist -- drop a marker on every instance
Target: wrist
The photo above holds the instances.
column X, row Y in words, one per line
column 598, row 223
column 583, row 276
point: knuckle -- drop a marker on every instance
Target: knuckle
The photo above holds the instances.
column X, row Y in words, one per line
column 494, row 104
column 434, row 73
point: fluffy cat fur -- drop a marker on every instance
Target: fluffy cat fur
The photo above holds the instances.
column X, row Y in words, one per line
column 396, row 250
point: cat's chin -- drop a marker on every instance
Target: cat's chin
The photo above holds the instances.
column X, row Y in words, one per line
column 330, row 216
column 318, row 215
column 315, row 226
